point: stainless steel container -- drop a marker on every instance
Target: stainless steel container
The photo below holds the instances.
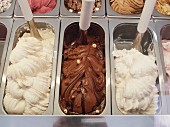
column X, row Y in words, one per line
column 65, row 13
column 126, row 30
column 157, row 15
column 8, row 13
column 112, row 14
column 53, row 13
column 104, row 24
column 20, row 26
column 160, row 25
column 6, row 26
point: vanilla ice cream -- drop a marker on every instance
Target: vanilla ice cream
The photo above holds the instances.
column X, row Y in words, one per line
column 135, row 76
column 29, row 75
column 166, row 53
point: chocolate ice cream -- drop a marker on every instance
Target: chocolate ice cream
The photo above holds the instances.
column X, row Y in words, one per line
column 82, row 89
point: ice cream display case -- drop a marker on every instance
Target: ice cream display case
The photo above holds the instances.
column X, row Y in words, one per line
column 7, row 8
column 72, row 8
column 163, row 33
column 48, row 8
column 5, row 30
column 86, row 89
column 127, row 66
column 65, row 75
column 28, row 84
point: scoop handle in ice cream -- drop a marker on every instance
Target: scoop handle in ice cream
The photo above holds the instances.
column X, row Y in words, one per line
column 25, row 8
column 86, row 14
column 146, row 15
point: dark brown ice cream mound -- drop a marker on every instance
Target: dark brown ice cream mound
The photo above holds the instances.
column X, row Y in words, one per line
column 83, row 78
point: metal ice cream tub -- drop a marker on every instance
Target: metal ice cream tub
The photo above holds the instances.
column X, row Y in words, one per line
column 122, row 34
column 5, row 29
column 53, row 13
column 70, row 29
column 8, row 13
column 19, row 28
column 66, row 12
column 113, row 14
column 162, row 29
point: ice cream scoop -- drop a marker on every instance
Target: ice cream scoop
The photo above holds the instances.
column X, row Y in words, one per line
column 143, row 23
column 85, row 18
column 29, row 17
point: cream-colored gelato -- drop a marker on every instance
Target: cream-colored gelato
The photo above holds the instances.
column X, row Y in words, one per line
column 29, row 75
column 135, row 76
column 166, row 53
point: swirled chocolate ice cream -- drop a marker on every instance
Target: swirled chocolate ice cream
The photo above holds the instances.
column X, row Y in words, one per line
column 83, row 82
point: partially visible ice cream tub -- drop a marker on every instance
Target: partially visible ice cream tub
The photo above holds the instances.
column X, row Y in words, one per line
column 89, row 93
column 31, row 91
column 163, row 32
column 72, row 8
column 135, row 100
column 124, row 8
column 162, row 9
column 5, row 28
column 40, row 8
column 7, row 8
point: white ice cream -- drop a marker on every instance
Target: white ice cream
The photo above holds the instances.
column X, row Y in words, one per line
column 166, row 53
column 135, row 76
column 29, row 75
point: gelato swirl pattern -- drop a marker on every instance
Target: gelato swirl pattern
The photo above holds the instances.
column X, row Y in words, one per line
column 136, row 76
column 83, row 78
column 29, row 75
column 42, row 6
column 163, row 7
column 127, row 6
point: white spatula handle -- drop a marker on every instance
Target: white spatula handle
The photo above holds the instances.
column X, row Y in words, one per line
column 25, row 8
column 146, row 15
column 86, row 14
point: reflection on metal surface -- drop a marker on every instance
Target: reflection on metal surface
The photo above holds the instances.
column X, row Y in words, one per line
column 81, row 122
